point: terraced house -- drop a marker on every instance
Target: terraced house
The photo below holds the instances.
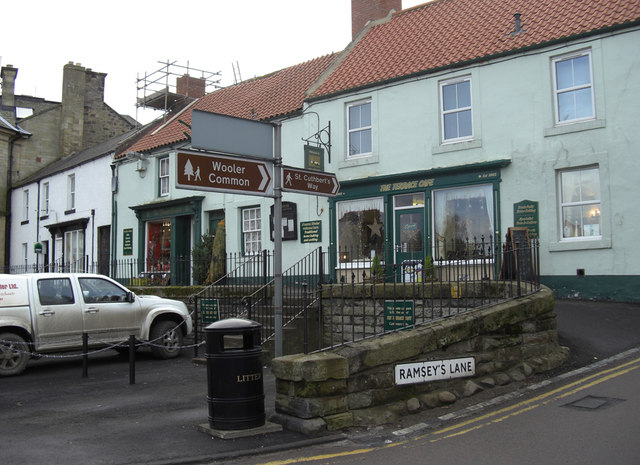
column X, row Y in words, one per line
column 448, row 122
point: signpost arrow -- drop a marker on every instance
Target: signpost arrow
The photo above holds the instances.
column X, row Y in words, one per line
column 222, row 173
column 309, row 182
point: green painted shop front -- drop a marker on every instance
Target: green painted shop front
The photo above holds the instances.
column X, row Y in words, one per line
column 166, row 232
column 416, row 215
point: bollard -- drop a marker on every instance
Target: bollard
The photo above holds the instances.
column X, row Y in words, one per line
column 85, row 355
column 132, row 359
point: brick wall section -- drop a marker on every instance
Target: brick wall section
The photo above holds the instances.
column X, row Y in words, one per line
column 363, row 11
column 190, row 86
column 354, row 385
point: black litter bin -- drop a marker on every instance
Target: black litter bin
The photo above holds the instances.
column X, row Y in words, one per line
column 234, row 374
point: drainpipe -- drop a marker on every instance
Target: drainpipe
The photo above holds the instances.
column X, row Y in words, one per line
column 38, row 227
column 114, row 216
column 7, row 227
column 93, row 235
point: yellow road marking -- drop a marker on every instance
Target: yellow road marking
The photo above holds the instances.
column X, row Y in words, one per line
column 490, row 418
column 542, row 399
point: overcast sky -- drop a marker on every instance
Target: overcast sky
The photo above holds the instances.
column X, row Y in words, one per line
column 128, row 39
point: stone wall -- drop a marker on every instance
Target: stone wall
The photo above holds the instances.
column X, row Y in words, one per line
column 354, row 385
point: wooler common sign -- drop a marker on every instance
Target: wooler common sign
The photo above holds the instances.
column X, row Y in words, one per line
column 434, row 370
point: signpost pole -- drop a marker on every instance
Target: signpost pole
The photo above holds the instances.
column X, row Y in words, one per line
column 277, row 238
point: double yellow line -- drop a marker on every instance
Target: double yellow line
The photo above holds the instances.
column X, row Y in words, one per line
column 535, row 402
column 489, row 418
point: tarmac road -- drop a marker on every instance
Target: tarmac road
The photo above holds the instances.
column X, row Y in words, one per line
column 52, row 415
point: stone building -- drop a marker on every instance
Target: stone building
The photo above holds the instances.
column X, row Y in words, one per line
column 35, row 132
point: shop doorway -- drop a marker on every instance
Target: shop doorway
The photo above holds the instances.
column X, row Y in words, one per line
column 104, row 249
column 409, row 237
column 182, row 250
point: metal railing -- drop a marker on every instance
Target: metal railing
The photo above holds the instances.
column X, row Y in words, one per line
column 365, row 298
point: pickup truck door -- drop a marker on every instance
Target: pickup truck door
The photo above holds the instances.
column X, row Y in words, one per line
column 107, row 314
column 57, row 314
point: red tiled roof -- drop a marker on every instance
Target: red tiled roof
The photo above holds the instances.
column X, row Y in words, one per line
column 448, row 32
column 276, row 94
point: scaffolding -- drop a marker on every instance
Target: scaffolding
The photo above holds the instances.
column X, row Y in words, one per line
column 154, row 90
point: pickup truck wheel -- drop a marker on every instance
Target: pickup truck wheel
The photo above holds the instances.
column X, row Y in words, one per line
column 14, row 354
column 166, row 340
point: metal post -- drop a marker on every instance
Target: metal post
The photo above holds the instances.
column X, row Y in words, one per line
column 196, row 338
column 305, row 343
column 132, row 359
column 85, row 355
column 277, row 237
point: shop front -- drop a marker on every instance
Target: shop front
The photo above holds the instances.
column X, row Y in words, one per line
column 166, row 233
column 412, row 219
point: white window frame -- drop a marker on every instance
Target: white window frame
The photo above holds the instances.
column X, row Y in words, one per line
column 573, row 89
column 357, row 206
column 581, row 203
column 251, row 218
column 359, row 129
column 443, row 112
column 71, row 192
column 45, row 199
column 163, row 176
column 25, row 205
column 439, row 198
column 74, row 250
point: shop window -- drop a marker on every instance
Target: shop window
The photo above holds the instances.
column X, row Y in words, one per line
column 580, row 202
column 158, row 245
column 360, row 229
column 462, row 216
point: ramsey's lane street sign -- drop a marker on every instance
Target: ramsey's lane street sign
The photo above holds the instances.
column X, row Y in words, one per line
column 309, row 182
column 221, row 173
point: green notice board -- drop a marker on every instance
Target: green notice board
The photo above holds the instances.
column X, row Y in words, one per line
column 209, row 309
column 311, row 231
column 526, row 215
column 398, row 314
column 127, row 241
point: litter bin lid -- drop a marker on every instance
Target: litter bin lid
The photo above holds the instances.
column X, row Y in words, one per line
column 234, row 323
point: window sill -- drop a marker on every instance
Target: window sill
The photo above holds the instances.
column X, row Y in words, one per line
column 45, row 217
column 24, row 222
column 584, row 244
column 69, row 212
column 455, row 146
column 574, row 127
column 352, row 162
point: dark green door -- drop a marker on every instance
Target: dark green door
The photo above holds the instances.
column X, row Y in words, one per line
column 181, row 268
column 409, row 242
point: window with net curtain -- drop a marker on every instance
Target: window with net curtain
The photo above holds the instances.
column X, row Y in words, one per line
column 461, row 217
column 580, row 203
column 360, row 229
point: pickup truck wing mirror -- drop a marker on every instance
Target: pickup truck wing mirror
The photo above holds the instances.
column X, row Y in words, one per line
column 131, row 297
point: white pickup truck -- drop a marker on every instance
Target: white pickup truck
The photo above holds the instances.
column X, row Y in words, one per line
column 48, row 312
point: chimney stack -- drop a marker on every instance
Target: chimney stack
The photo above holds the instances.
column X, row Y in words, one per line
column 190, row 86
column 363, row 11
column 73, row 102
column 8, row 110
